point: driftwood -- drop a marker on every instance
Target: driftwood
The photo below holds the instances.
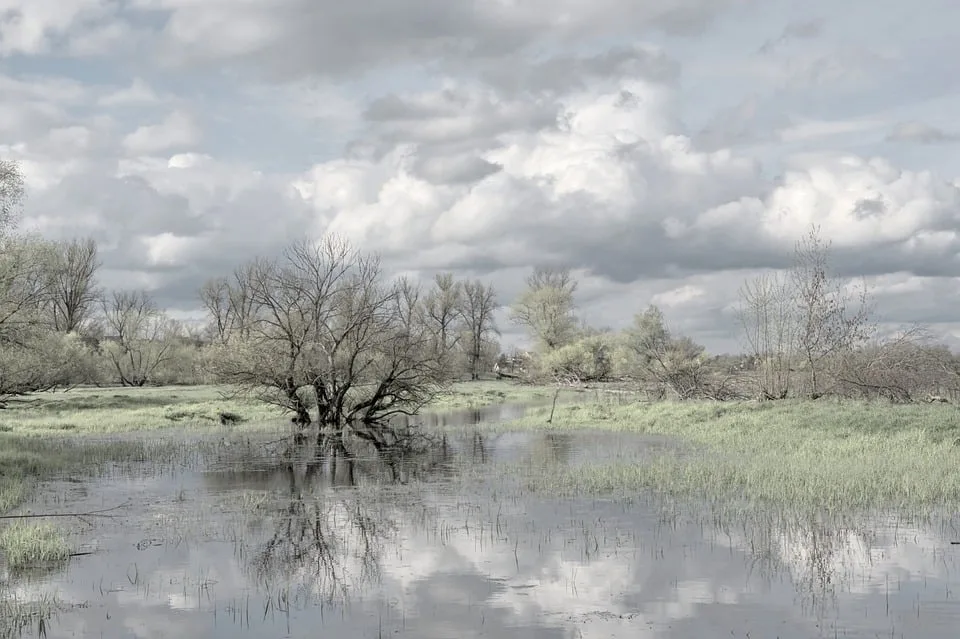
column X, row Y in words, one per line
column 92, row 513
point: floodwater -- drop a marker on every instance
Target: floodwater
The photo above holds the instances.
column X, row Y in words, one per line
column 235, row 541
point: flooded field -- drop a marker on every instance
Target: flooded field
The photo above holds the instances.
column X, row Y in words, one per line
column 237, row 537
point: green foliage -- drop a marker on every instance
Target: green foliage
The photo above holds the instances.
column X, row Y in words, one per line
column 589, row 358
column 11, row 194
column 25, row 544
column 546, row 308
column 815, row 455
column 653, row 355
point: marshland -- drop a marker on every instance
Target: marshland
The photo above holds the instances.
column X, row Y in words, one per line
column 621, row 515
column 332, row 448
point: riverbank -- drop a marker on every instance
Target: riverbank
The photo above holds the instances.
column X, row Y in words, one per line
column 124, row 410
column 826, row 455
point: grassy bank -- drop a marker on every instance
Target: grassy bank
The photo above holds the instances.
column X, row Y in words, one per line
column 824, row 455
column 124, row 410
column 120, row 410
column 484, row 393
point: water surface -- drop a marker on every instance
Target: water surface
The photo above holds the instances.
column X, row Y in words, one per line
column 234, row 540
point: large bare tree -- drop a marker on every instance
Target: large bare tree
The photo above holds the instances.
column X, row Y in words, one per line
column 328, row 332
column 72, row 292
column 546, row 308
column 478, row 304
column 442, row 312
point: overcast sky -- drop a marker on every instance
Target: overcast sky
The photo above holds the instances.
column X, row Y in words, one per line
column 665, row 149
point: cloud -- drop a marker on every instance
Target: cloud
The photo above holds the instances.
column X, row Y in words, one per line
column 137, row 94
column 303, row 38
column 802, row 30
column 177, row 131
column 43, row 26
column 490, row 138
column 919, row 133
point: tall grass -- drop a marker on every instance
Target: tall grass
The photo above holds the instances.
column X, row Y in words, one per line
column 825, row 455
column 116, row 410
column 26, row 544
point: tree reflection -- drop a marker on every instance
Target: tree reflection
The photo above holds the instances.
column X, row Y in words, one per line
column 329, row 547
column 336, row 507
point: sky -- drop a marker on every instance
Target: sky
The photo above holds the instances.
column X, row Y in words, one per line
column 665, row 151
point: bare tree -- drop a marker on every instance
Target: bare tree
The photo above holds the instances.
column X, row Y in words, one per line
column 140, row 336
column 546, row 308
column 904, row 367
column 11, row 194
column 72, row 286
column 408, row 302
column 768, row 315
column 326, row 331
column 229, row 302
column 478, row 304
column 215, row 297
column 442, row 310
column 826, row 325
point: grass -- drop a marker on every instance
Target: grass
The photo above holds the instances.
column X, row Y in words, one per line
column 483, row 393
column 823, row 455
column 24, row 544
column 17, row 616
column 26, row 460
column 124, row 410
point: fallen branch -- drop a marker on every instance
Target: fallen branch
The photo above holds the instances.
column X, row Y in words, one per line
column 94, row 513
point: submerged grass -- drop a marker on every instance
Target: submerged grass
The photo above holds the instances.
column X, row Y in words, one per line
column 26, row 544
column 17, row 617
column 26, row 460
column 823, row 455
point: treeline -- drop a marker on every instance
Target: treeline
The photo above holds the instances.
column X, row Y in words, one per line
column 59, row 329
column 806, row 333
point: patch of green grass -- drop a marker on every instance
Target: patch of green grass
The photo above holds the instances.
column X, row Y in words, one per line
column 825, row 455
column 121, row 410
column 485, row 393
column 26, row 544
column 116, row 410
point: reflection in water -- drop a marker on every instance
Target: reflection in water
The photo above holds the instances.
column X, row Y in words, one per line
column 437, row 545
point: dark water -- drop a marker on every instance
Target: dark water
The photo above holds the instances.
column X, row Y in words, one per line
column 230, row 542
